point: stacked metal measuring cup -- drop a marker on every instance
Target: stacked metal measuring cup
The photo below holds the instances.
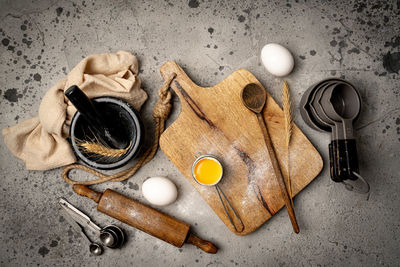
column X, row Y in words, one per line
column 332, row 105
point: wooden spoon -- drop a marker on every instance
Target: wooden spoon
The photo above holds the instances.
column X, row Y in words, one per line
column 254, row 98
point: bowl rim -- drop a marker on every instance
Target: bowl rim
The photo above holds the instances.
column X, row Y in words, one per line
column 207, row 156
column 133, row 151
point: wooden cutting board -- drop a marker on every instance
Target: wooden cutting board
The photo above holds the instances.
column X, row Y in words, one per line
column 214, row 121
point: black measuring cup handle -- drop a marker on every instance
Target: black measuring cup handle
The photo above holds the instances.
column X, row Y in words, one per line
column 102, row 127
column 333, row 168
column 345, row 155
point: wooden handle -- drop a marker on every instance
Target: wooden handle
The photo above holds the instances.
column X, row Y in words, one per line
column 278, row 173
column 170, row 67
column 150, row 220
column 204, row 245
column 85, row 191
column 144, row 218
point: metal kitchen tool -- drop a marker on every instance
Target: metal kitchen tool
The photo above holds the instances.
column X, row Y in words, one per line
column 254, row 98
column 94, row 248
column 111, row 235
column 332, row 105
column 237, row 224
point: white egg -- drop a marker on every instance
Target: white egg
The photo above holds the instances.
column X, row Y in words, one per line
column 277, row 59
column 159, row 191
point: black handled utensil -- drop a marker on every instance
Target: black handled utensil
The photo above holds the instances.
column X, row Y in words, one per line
column 341, row 103
column 309, row 114
column 102, row 126
column 331, row 106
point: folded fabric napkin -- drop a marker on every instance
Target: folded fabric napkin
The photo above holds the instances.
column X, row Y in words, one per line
column 41, row 141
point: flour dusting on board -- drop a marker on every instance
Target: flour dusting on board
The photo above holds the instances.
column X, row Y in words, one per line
column 256, row 170
column 259, row 178
column 215, row 122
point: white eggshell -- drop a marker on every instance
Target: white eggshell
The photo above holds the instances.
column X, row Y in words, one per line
column 159, row 191
column 277, row 59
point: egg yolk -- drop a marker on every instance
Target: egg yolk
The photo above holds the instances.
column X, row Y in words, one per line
column 207, row 171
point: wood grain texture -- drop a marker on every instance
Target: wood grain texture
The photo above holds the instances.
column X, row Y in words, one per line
column 85, row 191
column 214, row 121
column 278, row 173
column 145, row 218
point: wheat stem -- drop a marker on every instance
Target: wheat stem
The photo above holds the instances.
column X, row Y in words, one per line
column 102, row 149
column 287, row 111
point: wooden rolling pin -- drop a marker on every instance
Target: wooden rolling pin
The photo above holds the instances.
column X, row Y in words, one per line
column 144, row 218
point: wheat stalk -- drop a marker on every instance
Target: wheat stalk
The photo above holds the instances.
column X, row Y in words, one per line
column 287, row 111
column 102, row 149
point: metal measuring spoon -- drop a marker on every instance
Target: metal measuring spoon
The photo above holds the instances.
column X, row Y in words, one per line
column 111, row 236
column 94, row 248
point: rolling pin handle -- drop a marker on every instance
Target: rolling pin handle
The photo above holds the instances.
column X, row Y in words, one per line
column 85, row 191
column 204, row 245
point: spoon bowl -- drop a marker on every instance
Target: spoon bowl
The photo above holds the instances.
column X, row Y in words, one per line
column 112, row 236
column 253, row 97
column 95, row 249
column 107, row 239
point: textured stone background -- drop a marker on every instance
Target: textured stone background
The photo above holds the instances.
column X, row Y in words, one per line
column 42, row 40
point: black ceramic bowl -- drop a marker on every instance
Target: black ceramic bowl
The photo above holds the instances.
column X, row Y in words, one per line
column 124, row 117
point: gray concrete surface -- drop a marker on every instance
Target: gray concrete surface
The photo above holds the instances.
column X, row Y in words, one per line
column 357, row 40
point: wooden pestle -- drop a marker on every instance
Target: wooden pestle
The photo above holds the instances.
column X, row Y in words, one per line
column 144, row 218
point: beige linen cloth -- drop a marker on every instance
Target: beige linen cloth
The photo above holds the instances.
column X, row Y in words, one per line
column 41, row 141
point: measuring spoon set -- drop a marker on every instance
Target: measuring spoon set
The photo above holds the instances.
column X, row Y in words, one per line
column 332, row 105
column 111, row 236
